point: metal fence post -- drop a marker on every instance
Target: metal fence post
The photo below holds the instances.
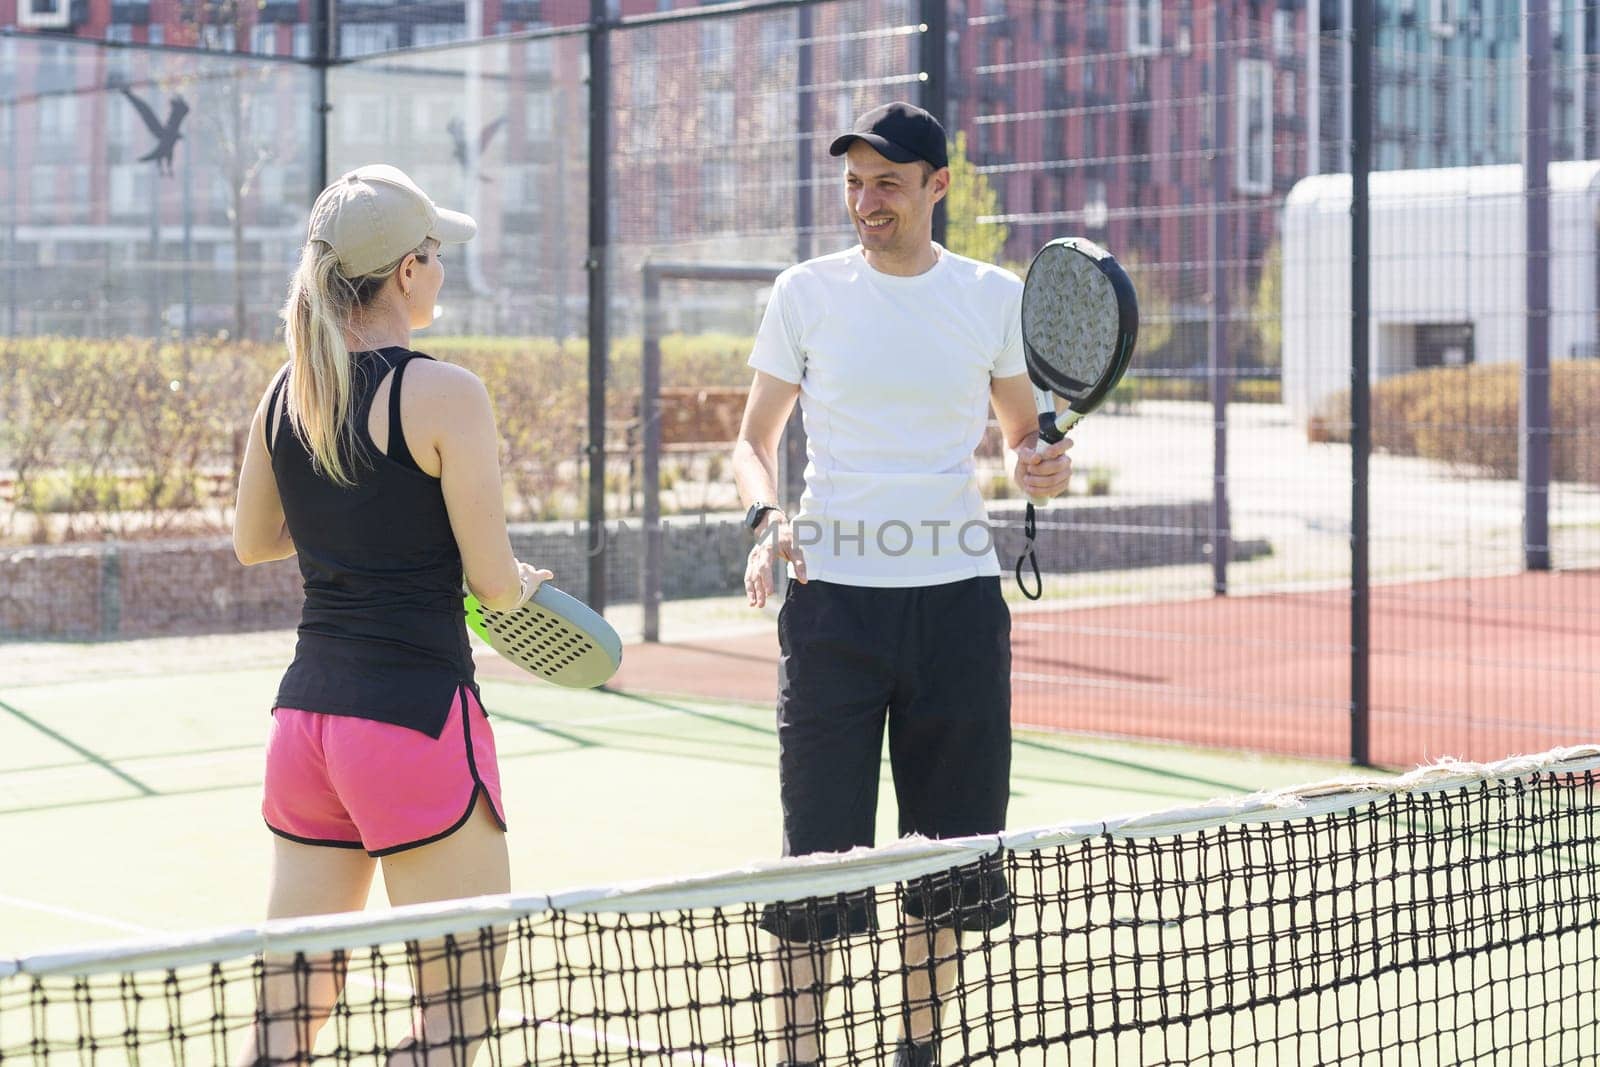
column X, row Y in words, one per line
column 1360, row 383
column 1219, row 358
column 935, row 81
column 650, row 573
column 1534, row 455
column 599, row 334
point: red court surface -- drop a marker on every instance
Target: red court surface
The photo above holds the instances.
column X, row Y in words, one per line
column 1473, row 668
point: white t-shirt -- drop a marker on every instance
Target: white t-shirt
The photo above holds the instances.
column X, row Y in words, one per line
column 894, row 392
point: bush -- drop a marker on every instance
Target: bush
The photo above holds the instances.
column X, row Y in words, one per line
column 100, row 430
column 1469, row 417
column 133, row 437
column 1245, row 390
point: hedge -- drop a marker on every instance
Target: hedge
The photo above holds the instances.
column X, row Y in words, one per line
column 138, row 438
column 1469, row 417
column 1137, row 387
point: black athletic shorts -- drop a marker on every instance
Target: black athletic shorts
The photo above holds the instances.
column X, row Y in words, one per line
column 934, row 664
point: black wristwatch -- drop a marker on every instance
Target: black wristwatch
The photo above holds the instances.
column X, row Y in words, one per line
column 752, row 518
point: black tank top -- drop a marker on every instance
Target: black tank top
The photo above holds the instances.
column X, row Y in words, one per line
column 382, row 634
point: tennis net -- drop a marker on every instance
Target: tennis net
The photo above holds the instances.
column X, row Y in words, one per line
column 1445, row 916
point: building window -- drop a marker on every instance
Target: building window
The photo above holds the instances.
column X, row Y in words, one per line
column 717, row 179
column 1095, row 211
column 79, row 202
column 852, row 63
column 218, row 37
column 717, row 121
column 644, row 72
column 432, row 116
column 300, row 41
column 524, row 189
column 539, row 57
column 1144, row 26
column 777, row 50
column 666, row 210
column 362, row 40
column 1252, row 124
column 778, row 111
column 264, row 39
column 58, row 120
column 1097, row 27
column 118, row 66
column 263, row 120
column 432, row 33
column 42, row 186
column 539, row 116
column 130, row 188
column 364, row 119
column 1283, row 33
column 1442, row 17
column 716, row 51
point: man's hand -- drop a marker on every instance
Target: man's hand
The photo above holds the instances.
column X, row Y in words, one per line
column 1043, row 471
column 775, row 539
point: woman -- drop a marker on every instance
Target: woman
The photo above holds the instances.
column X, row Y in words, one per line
column 379, row 748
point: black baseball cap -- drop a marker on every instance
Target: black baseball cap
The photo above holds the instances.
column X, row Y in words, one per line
column 901, row 133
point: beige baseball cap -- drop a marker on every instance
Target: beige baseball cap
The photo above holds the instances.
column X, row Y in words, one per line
column 374, row 215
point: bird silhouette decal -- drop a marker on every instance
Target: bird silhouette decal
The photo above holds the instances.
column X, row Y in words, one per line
column 165, row 133
column 458, row 134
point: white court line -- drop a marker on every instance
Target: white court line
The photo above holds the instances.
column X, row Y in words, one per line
column 600, row 720
column 253, row 753
column 87, row 769
column 78, row 916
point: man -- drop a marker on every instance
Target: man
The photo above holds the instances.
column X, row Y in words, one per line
column 895, row 350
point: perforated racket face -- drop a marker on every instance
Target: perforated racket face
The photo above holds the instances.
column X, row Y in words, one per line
column 1079, row 321
column 555, row 636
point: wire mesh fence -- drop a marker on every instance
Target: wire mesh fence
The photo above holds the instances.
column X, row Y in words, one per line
column 1232, row 566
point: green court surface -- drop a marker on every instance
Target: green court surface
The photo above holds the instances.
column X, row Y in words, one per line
column 129, row 801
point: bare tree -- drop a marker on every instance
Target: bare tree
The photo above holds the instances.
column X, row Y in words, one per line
column 224, row 116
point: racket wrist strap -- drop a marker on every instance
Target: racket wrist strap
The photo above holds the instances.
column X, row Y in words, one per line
column 1029, row 531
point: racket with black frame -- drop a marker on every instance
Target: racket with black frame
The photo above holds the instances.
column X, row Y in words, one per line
column 555, row 636
column 1080, row 319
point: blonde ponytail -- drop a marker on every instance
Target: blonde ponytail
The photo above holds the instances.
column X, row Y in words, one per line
column 321, row 307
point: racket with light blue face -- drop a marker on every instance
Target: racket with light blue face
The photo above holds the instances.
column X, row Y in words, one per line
column 555, row 636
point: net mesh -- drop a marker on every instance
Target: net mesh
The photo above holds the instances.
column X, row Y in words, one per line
column 1447, row 916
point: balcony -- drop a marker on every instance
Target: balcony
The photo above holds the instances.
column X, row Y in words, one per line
column 522, row 10
column 438, row 11
column 130, row 14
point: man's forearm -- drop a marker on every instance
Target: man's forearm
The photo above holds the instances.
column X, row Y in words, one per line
column 755, row 472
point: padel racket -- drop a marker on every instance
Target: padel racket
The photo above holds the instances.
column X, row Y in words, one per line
column 1080, row 319
column 553, row 635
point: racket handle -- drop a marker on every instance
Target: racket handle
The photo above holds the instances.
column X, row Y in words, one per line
column 1053, row 427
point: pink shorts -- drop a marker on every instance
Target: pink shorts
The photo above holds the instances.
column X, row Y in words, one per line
column 355, row 783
